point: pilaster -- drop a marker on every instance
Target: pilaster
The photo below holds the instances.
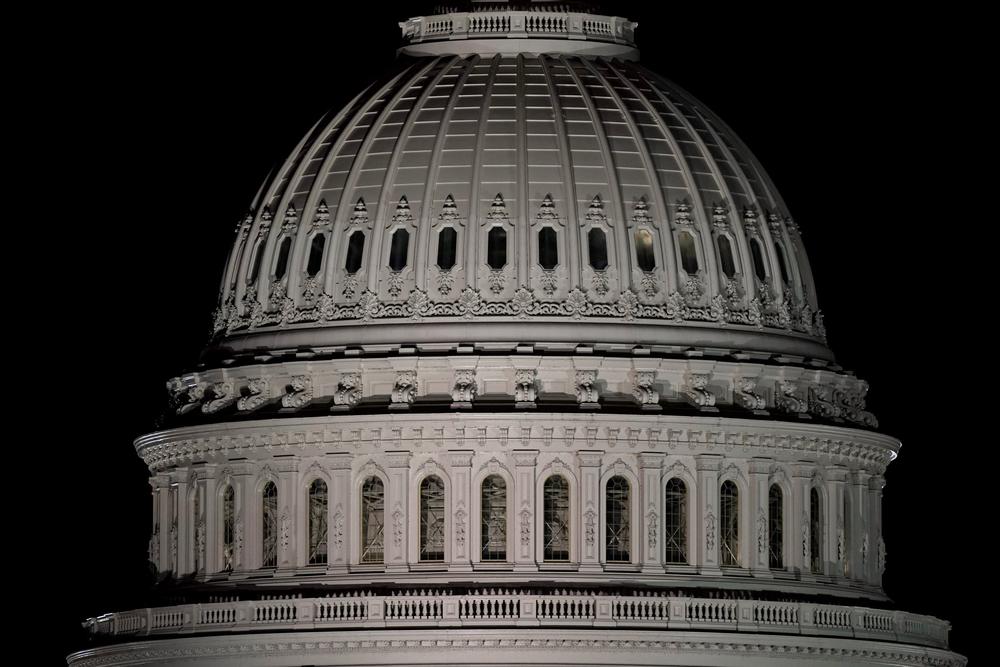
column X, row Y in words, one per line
column 836, row 535
column 799, row 538
column 213, row 529
column 860, row 542
column 397, row 511
column 164, row 520
column 759, row 469
column 341, row 521
column 288, row 501
column 707, row 548
column 460, row 462
column 525, row 462
column 185, row 531
column 650, row 518
column 590, row 510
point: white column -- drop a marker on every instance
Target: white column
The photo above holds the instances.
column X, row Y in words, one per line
column 875, row 485
column 461, row 509
column 213, row 531
column 252, row 523
column 288, row 496
column 164, row 519
column 397, row 511
column 707, row 549
column 859, row 552
column 243, row 489
column 590, row 510
column 525, row 461
column 801, row 478
column 759, row 469
column 650, row 519
column 836, row 537
column 185, row 531
column 341, row 521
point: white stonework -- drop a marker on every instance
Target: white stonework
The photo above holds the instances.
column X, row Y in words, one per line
column 518, row 411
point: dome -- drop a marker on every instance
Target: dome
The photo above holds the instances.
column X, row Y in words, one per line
column 485, row 197
column 519, row 351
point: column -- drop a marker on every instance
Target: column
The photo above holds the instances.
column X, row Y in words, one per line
column 164, row 519
column 397, row 511
column 859, row 541
column 525, row 461
column 213, row 531
column 252, row 524
column 461, row 509
column 185, row 531
column 836, row 537
column 707, row 548
column 590, row 510
column 876, row 552
column 341, row 521
column 799, row 538
column 650, row 519
column 243, row 488
column 760, row 469
column 288, row 496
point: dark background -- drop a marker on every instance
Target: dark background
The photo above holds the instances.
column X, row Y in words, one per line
column 172, row 123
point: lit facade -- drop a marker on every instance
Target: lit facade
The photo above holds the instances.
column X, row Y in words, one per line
column 518, row 359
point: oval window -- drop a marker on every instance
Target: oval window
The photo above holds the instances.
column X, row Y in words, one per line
column 726, row 256
column 548, row 251
column 398, row 249
column 447, row 244
column 689, row 255
column 757, row 254
column 496, row 248
column 282, row 264
column 597, row 247
column 645, row 256
column 316, row 254
column 355, row 252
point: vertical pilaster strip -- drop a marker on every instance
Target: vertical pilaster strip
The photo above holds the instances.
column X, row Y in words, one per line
column 461, row 508
column 213, row 532
column 397, row 515
column 525, row 461
column 184, row 529
column 341, row 520
column 759, row 468
column 252, row 522
column 590, row 509
column 707, row 550
column 836, row 538
column 164, row 521
column 288, row 494
column 650, row 517
column 861, row 544
column 875, row 554
column 801, row 478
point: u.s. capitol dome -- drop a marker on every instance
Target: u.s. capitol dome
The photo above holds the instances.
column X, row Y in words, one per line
column 518, row 359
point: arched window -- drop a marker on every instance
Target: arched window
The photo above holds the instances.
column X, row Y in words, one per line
column 617, row 508
column 432, row 518
column 597, row 248
column 255, row 258
column 645, row 255
column 496, row 248
column 398, row 249
column 689, row 255
column 775, row 526
column 815, row 532
column 493, row 523
column 779, row 251
column 269, row 526
column 372, row 521
column 317, row 522
column 548, row 250
column 355, row 252
column 757, row 255
column 726, row 256
column 316, row 249
column 555, row 518
column 729, row 523
column 281, row 266
column 447, row 245
column 228, row 527
column 675, row 513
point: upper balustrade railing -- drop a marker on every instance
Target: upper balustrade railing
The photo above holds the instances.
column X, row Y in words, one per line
column 519, row 25
column 513, row 609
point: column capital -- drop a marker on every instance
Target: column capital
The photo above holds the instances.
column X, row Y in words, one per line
column 525, row 457
column 861, row 477
column 876, row 483
column 836, row 473
column 339, row 460
column 460, row 458
column 590, row 458
column 760, row 465
column 397, row 459
column 803, row 469
column 708, row 462
column 651, row 459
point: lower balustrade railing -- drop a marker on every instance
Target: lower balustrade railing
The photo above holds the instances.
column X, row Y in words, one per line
column 506, row 609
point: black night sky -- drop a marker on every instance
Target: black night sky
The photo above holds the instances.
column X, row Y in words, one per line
column 183, row 115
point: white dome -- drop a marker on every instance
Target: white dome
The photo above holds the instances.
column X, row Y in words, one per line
column 616, row 197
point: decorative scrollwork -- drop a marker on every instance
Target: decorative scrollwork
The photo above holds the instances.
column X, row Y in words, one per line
column 696, row 390
column 348, row 390
column 255, row 394
column 745, row 394
column 524, row 387
column 644, row 390
column 405, row 389
column 586, row 392
column 464, row 390
column 298, row 393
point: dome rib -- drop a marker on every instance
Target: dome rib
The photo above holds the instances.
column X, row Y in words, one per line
column 471, row 247
column 614, row 185
column 428, row 207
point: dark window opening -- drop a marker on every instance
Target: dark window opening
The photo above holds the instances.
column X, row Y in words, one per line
column 548, row 251
column 496, row 248
column 597, row 245
column 355, row 252
column 398, row 249
column 447, row 245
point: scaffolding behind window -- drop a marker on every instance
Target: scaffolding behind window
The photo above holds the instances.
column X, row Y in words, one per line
column 616, row 521
column 675, row 512
column 555, row 538
column 317, row 522
column 815, row 532
column 432, row 510
column 269, row 526
column 493, row 524
column 729, row 520
column 372, row 521
column 597, row 249
column 775, row 527
column 645, row 255
column 228, row 527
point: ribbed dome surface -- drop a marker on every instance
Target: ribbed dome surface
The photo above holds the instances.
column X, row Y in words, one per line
column 578, row 188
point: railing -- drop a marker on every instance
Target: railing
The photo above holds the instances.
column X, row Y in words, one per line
column 507, row 608
column 479, row 25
